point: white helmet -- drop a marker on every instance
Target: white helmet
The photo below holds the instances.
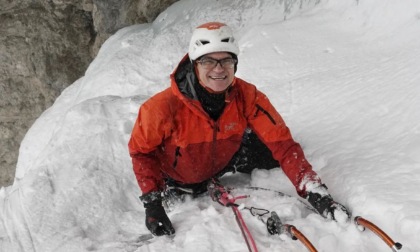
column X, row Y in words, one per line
column 212, row 37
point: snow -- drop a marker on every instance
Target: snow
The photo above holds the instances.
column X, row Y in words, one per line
column 345, row 76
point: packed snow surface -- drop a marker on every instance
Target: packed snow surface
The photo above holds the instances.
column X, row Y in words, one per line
column 344, row 74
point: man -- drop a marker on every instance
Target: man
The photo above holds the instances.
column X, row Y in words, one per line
column 208, row 123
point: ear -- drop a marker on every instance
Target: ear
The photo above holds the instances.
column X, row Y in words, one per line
column 237, row 61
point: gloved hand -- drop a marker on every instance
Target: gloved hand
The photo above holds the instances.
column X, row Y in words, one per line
column 156, row 219
column 326, row 206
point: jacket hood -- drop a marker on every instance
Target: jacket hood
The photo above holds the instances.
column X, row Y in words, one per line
column 184, row 77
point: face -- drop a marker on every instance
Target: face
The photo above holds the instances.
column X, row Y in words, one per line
column 216, row 78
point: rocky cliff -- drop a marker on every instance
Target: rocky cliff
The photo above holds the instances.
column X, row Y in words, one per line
column 45, row 45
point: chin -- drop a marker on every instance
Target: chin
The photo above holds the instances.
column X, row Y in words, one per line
column 218, row 87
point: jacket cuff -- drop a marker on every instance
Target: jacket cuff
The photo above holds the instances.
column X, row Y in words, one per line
column 151, row 198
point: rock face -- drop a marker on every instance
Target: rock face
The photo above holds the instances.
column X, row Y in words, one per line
column 46, row 45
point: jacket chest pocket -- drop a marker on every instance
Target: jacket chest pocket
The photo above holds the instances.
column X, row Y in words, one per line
column 265, row 112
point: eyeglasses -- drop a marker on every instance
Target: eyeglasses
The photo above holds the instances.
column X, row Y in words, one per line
column 210, row 63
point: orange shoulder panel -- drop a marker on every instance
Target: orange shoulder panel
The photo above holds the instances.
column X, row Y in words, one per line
column 153, row 123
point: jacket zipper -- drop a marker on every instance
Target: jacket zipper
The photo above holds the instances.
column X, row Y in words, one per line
column 259, row 108
column 177, row 154
column 213, row 149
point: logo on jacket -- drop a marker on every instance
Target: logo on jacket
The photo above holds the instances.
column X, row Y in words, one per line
column 230, row 126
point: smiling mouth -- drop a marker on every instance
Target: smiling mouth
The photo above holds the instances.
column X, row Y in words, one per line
column 218, row 78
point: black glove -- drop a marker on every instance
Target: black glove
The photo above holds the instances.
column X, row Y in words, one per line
column 156, row 219
column 327, row 207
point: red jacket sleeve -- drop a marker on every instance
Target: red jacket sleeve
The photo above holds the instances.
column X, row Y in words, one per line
column 149, row 130
column 272, row 130
column 148, row 176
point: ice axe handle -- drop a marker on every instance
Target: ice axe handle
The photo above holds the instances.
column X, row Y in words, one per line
column 372, row 227
column 275, row 226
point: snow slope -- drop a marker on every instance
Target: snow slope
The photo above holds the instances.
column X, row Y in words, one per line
column 343, row 73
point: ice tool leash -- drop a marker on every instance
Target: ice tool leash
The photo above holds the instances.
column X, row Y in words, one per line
column 222, row 195
column 361, row 223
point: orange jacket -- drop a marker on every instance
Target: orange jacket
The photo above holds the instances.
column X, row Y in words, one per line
column 174, row 137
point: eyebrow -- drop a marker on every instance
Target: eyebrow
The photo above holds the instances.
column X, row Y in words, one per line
column 206, row 57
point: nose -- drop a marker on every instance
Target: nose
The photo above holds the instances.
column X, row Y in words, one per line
column 218, row 67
